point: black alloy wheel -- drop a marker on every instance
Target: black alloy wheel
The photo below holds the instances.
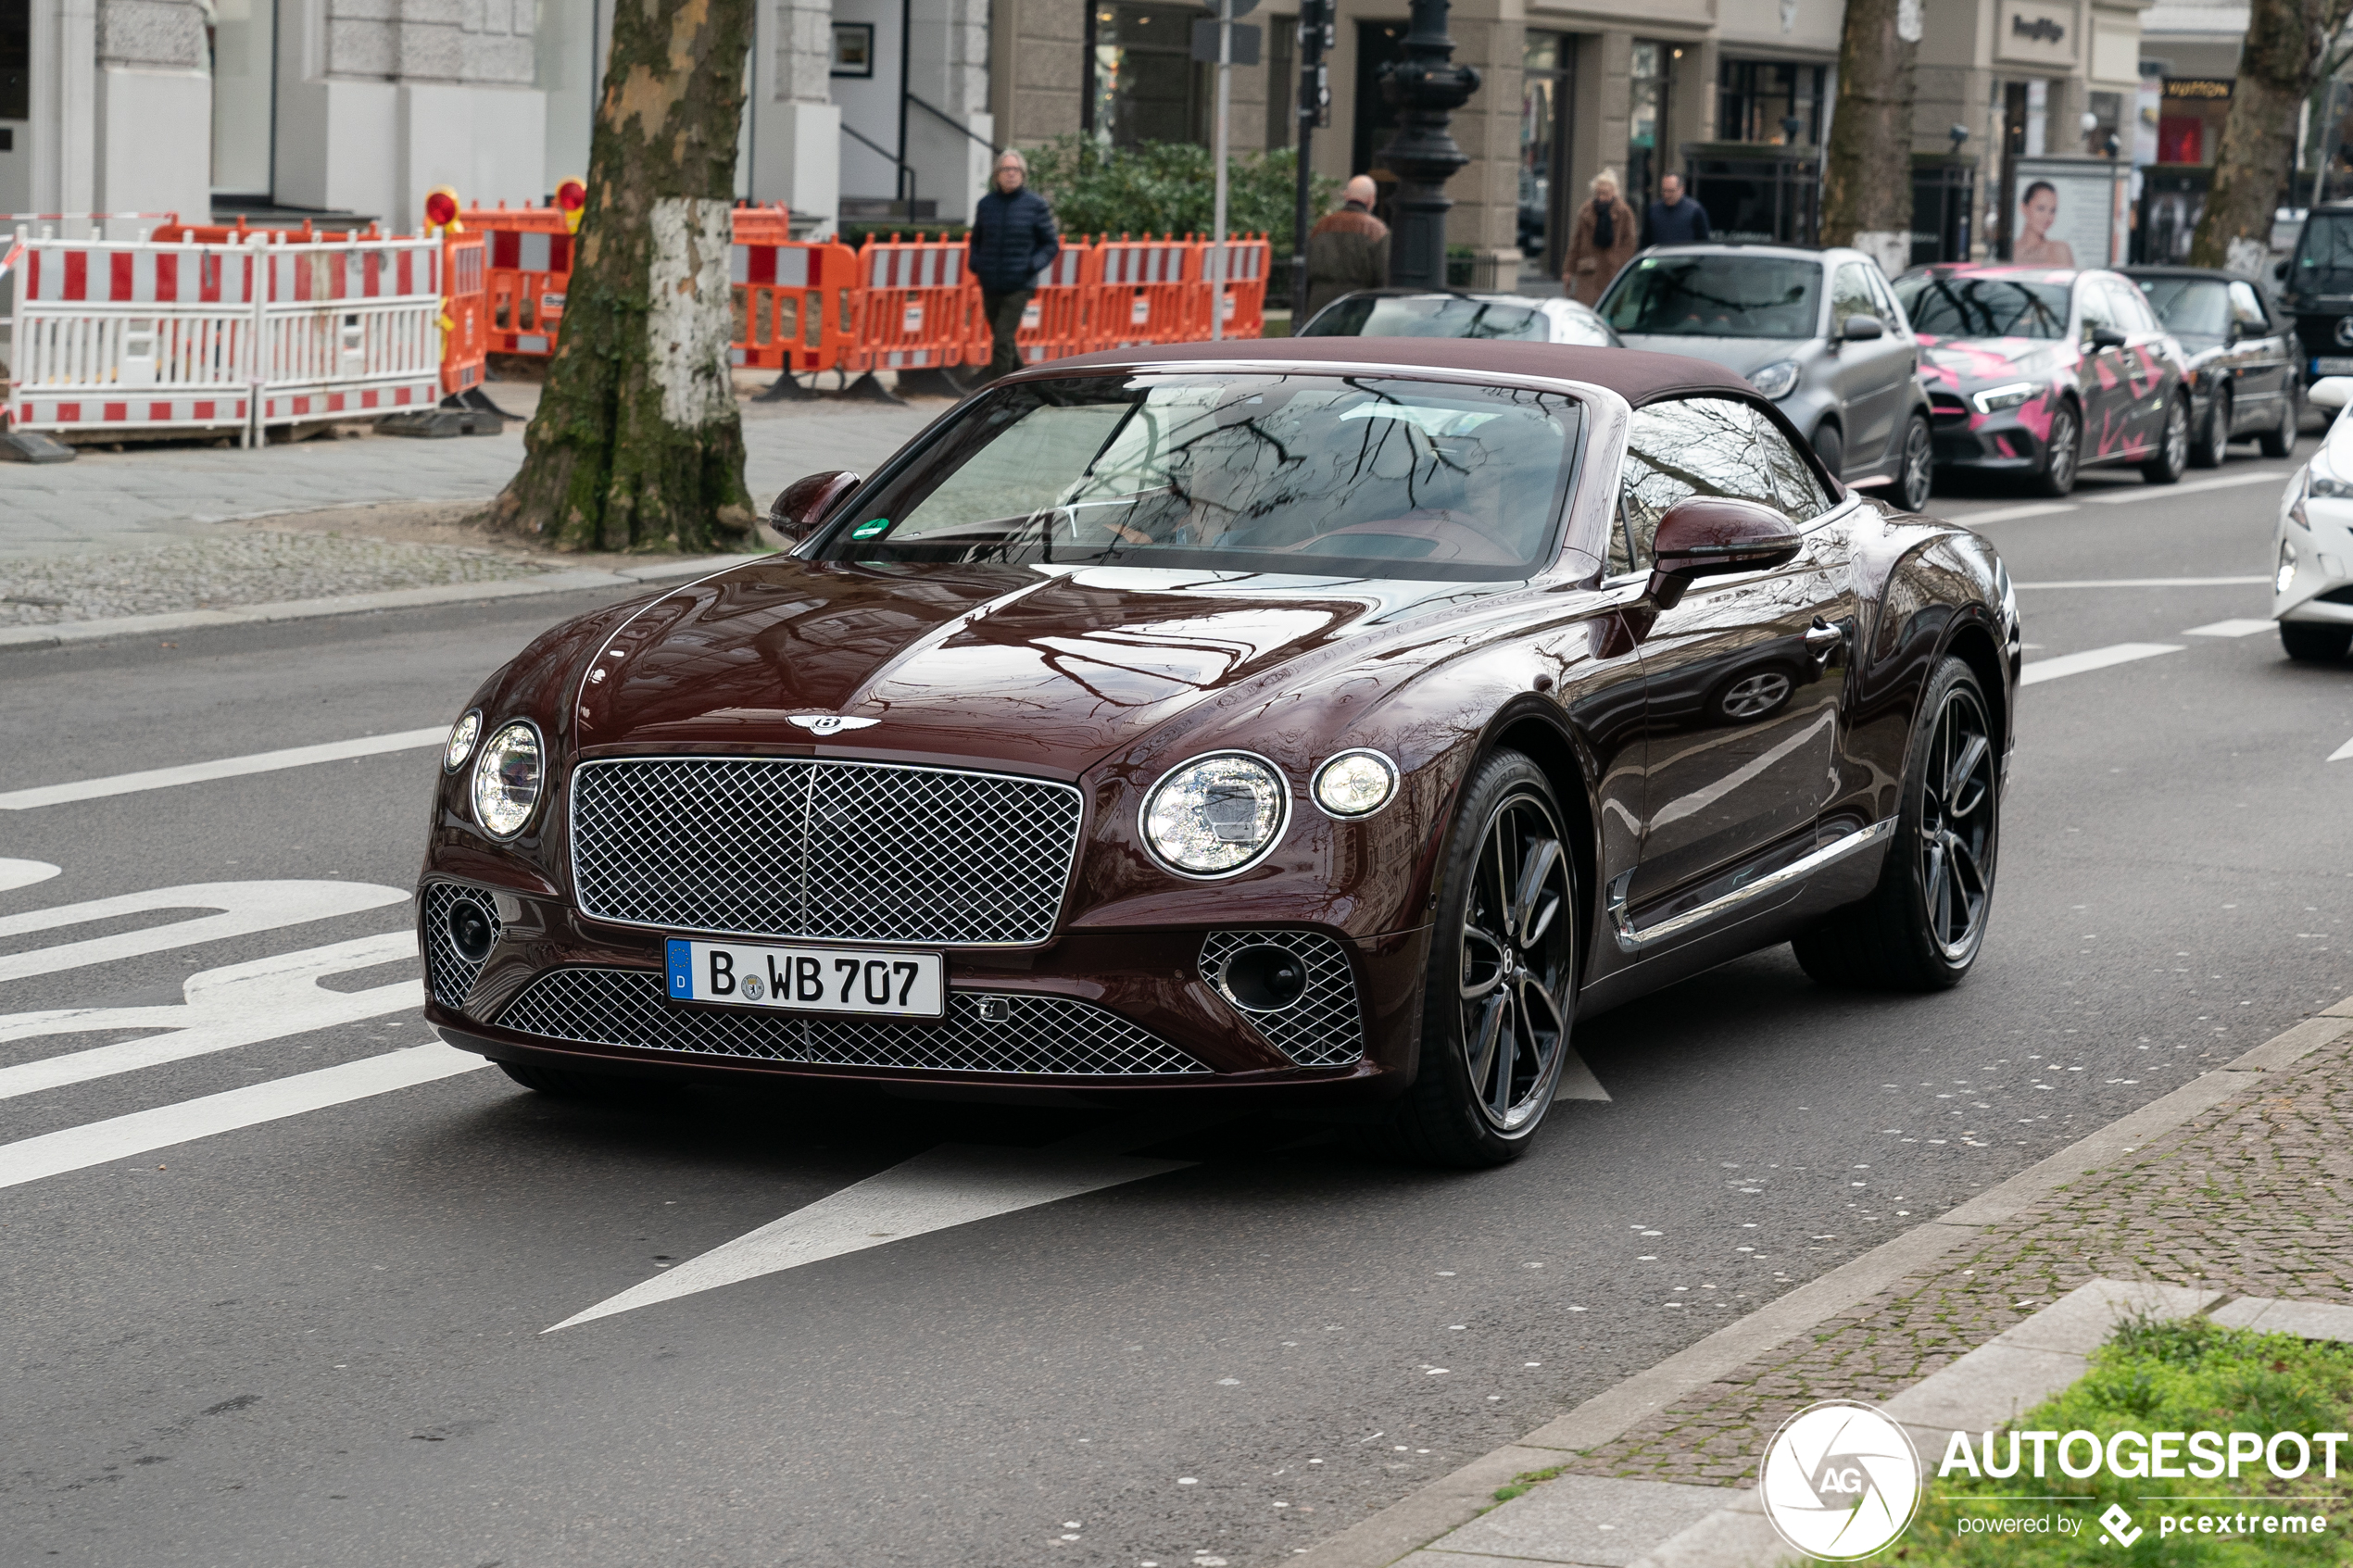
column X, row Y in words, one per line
column 1501, row 982
column 2173, row 447
column 2315, row 642
column 2280, row 440
column 2213, row 432
column 2062, row 452
column 1924, row 924
column 1916, row 475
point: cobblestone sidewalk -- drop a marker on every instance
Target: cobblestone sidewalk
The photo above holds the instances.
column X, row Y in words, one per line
column 2253, row 1196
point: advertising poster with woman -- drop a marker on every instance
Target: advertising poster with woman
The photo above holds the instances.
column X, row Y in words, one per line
column 2069, row 212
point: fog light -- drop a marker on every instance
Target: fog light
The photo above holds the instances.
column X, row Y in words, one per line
column 1264, row 979
column 470, row 931
column 2287, row 568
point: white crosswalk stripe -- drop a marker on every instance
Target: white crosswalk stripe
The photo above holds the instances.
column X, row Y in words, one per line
column 224, row 768
column 2093, row 658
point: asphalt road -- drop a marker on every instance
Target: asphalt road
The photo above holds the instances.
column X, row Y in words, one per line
column 318, row 1336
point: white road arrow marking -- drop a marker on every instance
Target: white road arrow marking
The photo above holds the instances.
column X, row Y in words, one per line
column 2342, row 752
column 953, row 1184
column 244, row 907
column 225, row 768
column 2095, row 658
column 24, row 874
column 143, row 1131
column 240, row 1005
column 2230, row 628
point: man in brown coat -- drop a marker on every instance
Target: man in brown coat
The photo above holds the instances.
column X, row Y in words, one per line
column 1601, row 241
column 1348, row 249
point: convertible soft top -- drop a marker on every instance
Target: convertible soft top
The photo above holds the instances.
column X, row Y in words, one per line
column 1634, row 375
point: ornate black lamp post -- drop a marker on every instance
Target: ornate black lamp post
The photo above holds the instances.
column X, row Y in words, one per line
column 1425, row 87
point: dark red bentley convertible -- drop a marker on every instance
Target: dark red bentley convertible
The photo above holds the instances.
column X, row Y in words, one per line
column 1336, row 719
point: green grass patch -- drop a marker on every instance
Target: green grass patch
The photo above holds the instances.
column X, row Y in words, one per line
column 2185, row 1376
column 1528, row 1479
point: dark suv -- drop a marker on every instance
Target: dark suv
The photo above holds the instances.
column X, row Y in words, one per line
column 2316, row 287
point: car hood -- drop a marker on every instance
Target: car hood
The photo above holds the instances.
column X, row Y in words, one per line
column 1739, row 355
column 1047, row 667
column 1963, row 362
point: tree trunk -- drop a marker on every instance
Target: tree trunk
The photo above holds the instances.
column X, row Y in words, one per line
column 2286, row 45
column 1866, row 175
column 637, row 444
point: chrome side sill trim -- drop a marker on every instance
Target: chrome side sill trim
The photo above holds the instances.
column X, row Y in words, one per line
column 1632, row 941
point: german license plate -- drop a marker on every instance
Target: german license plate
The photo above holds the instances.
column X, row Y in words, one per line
column 2328, row 367
column 852, row 980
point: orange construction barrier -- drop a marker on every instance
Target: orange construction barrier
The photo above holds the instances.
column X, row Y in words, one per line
column 529, row 267
column 1139, row 294
column 465, row 311
column 770, row 225
column 179, row 233
column 1247, row 261
column 920, row 309
column 795, row 305
column 1054, row 325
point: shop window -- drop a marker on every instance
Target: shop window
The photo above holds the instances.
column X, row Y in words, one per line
column 1543, row 118
column 1647, row 121
column 1753, row 99
column 1147, row 86
column 15, row 59
column 1282, row 82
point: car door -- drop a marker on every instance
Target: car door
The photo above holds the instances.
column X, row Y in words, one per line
column 2260, row 368
column 1742, row 679
column 2109, row 412
column 1872, row 375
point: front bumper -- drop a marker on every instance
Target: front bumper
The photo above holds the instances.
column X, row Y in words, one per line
column 2012, row 441
column 2320, row 533
column 1091, row 1012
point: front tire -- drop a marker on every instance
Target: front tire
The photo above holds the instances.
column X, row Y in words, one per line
column 1924, row 924
column 2314, row 641
column 2280, row 440
column 2062, row 452
column 1499, row 993
column 1916, row 477
column 2214, row 435
column 1830, row 445
column 2172, row 447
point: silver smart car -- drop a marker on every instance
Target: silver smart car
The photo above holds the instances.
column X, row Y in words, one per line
column 1816, row 331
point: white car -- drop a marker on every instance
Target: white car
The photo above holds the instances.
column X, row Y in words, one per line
column 2312, row 590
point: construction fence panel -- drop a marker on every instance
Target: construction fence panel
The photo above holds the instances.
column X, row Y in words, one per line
column 1053, row 326
column 465, row 311
column 921, row 309
column 795, row 305
column 529, row 274
column 351, row 329
column 1248, row 263
column 133, row 336
column 1141, row 292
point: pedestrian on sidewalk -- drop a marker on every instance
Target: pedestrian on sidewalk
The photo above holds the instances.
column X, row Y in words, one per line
column 1601, row 241
column 1673, row 219
column 1348, row 249
column 1012, row 241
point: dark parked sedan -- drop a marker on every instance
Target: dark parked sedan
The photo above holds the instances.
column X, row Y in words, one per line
column 2043, row 373
column 1332, row 721
column 2245, row 364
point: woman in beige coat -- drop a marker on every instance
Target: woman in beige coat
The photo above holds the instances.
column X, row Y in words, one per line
column 1601, row 241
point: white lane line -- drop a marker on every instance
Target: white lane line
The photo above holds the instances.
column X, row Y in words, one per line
column 239, row 1005
column 24, row 874
column 2342, row 752
column 245, row 907
column 2148, row 583
column 143, row 1131
column 2160, row 492
column 2230, row 628
column 2095, row 658
column 225, row 768
column 953, row 1184
column 2011, row 514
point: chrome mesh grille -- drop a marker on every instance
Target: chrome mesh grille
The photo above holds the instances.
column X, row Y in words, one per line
column 448, row 972
column 1324, row 1027
column 829, row 851
column 1047, row 1035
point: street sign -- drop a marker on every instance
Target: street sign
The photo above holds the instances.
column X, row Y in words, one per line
column 1246, row 42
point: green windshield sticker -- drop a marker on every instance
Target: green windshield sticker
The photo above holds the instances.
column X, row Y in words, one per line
column 874, row 530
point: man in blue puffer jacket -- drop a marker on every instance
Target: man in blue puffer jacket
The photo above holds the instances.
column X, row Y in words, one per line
column 1012, row 241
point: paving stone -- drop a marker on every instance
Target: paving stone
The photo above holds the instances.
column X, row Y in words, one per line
column 2306, row 1320
column 1587, row 1520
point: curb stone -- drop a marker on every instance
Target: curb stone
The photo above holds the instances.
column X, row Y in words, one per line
column 105, row 630
column 1734, row 1535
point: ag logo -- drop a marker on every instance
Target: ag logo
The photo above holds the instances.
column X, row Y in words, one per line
column 1840, row 1481
column 2119, row 1525
column 829, row 724
column 2345, row 331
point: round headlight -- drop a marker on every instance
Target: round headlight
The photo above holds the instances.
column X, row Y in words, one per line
column 507, row 780
column 462, row 735
column 1355, row 783
column 1215, row 815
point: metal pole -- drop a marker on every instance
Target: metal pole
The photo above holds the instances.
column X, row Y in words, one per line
column 1425, row 87
column 1308, row 111
column 1217, row 224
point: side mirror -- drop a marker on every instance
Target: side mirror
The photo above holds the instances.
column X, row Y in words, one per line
column 1862, row 329
column 2108, row 337
column 2329, row 392
column 805, row 503
column 1711, row 535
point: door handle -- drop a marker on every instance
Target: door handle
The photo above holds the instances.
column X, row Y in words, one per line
column 1821, row 640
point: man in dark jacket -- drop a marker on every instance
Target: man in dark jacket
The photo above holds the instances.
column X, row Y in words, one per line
column 1012, row 241
column 1672, row 220
column 1348, row 249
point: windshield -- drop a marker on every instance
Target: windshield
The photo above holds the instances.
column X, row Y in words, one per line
column 1320, row 475
column 2325, row 254
column 1716, row 296
column 1983, row 306
column 2200, row 306
column 1367, row 314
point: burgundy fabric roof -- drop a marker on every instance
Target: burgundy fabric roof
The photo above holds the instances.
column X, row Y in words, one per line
column 1634, row 375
